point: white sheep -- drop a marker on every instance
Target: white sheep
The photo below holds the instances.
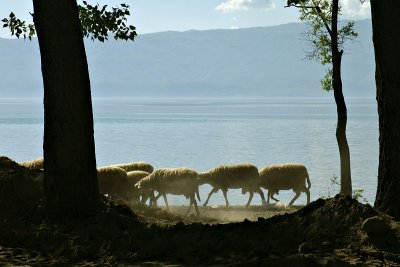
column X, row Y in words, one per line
column 113, row 181
column 244, row 176
column 133, row 178
column 285, row 177
column 175, row 181
column 135, row 166
column 33, row 164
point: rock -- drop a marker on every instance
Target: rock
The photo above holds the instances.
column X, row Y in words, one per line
column 326, row 246
column 375, row 226
column 305, row 248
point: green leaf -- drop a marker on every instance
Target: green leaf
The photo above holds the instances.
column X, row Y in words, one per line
column 97, row 22
column 326, row 82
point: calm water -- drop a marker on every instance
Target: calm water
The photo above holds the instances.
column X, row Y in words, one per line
column 203, row 133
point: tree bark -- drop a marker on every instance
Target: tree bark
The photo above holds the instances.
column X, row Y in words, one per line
column 386, row 37
column 70, row 177
column 344, row 152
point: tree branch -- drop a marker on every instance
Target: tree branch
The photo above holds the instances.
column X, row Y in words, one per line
column 319, row 11
column 321, row 15
column 299, row 6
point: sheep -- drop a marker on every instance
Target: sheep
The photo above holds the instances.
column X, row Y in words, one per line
column 135, row 166
column 284, row 177
column 133, row 178
column 244, row 176
column 175, row 181
column 113, row 181
column 36, row 164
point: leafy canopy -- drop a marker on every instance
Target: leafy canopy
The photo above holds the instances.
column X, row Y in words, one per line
column 96, row 22
column 317, row 14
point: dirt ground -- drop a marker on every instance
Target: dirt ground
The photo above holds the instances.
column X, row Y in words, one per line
column 332, row 232
column 211, row 214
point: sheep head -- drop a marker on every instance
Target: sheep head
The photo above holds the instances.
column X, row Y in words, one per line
column 138, row 185
column 204, row 178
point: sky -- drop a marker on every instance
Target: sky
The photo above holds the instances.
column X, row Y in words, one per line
column 181, row 15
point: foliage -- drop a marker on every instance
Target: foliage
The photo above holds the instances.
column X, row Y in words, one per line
column 357, row 193
column 317, row 14
column 335, row 180
column 326, row 82
column 18, row 27
column 96, row 22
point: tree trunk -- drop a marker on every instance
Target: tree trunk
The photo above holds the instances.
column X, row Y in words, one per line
column 344, row 152
column 70, row 177
column 386, row 37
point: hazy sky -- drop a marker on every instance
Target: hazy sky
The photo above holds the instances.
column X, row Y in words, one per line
column 180, row 15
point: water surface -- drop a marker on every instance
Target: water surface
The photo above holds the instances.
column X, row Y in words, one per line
column 204, row 133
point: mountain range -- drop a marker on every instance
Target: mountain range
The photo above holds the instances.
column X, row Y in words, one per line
column 248, row 62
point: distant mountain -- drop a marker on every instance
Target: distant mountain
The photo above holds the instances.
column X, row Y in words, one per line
column 251, row 62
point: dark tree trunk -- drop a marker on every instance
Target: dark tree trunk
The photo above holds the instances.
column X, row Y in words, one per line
column 344, row 152
column 386, row 36
column 70, row 178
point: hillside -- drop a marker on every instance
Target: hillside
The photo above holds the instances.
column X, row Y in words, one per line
column 251, row 62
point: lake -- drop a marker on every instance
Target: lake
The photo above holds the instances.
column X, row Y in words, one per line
column 203, row 133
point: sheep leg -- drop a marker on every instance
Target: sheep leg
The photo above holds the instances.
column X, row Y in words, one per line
column 190, row 206
column 250, row 198
column 277, row 200
column 153, row 199
column 260, row 192
column 158, row 196
column 295, row 197
column 193, row 202
column 270, row 193
column 165, row 200
column 225, row 196
column 195, row 206
column 214, row 190
column 308, row 195
column 144, row 199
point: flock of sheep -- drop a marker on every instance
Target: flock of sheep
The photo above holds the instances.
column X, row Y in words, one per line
column 138, row 181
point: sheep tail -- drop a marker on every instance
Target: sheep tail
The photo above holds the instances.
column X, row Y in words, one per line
column 308, row 181
column 198, row 194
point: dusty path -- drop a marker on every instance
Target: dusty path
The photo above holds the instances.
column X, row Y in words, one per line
column 222, row 214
